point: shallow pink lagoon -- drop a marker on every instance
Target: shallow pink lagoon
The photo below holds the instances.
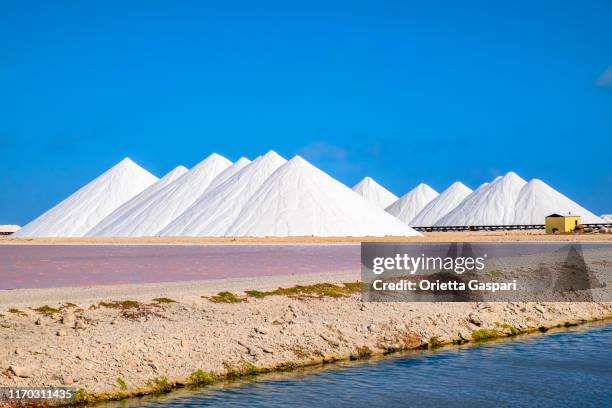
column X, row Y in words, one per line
column 46, row 266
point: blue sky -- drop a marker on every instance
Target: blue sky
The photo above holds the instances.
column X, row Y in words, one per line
column 402, row 92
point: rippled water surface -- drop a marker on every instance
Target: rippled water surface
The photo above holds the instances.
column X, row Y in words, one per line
column 566, row 368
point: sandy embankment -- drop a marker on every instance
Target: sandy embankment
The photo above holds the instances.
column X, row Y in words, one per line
column 461, row 236
column 92, row 347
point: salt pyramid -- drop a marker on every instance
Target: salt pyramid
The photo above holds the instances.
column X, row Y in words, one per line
column 159, row 210
column 606, row 217
column 491, row 204
column 219, row 207
column 229, row 172
column 411, row 203
column 441, row 205
column 374, row 192
column 537, row 199
column 298, row 199
column 137, row 201
column 78, row 213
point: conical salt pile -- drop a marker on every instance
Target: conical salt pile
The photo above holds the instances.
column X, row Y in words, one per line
column 117, row 215
column 229, row 172
column 441, row 205
column 374, row 192
column 298, row 199
column 78, row 213
column 537, row 199
column 606, row 217
column 219, row 207
column 163, row 207
column 492, row 204
column 411, row 203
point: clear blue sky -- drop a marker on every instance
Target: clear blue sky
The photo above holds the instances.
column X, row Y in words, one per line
column 399, row 91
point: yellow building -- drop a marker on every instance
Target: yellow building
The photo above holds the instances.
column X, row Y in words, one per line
column 561, row 223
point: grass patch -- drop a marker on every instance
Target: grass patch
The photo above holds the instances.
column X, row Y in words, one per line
column 485, row 334
column 123, row 304
column 46, row 310
column 164, row 300
column 160, row 385
column 316, row 290
column 122, row 384
column 246, row 368
column 17, row 312
column 201, row 377
column 512, row 331
column 225, row 297
column 434, row 342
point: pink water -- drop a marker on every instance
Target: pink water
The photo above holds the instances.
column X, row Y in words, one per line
column 46, row 266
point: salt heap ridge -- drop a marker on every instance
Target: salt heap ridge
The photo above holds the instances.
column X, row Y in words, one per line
column 490, row 204
column 219, row 207
column 298, row 199
column 121, row 212
column 85, row 208
column 411, row 203
column 537, row 199
column 441, row 205
column 151, row 216
column 369, row 189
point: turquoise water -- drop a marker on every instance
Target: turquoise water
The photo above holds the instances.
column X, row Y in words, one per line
column 566, row 368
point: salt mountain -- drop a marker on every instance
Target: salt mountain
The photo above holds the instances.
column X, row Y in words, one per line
column 219, row 207
column 137, row 201
column 411, row 203
column 163, row 207
column 298, row 199
column 78, row 213
column 537, row 199
column 374, row 192
column 491, row 204
column 441, row 205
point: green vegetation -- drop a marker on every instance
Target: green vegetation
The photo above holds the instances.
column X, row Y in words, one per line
column 46, row 310
column 246, row 368
column 122, row 384
column 160, row 385
column 434, row 342
column 511, row 330
column 123, row 304
column 316, row 290
column 485, row 334
column 201, row 377
column 225, row 297
column 164, row 300
column 17, row 312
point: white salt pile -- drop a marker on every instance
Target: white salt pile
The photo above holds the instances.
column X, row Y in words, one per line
column 78, row 213
column 229, row 172
column 410, row 204
column 606, row 217
column 374, row 192
column 298, row 199
column 441, row 205
column 219, row 207
column 121, row 212
column 163, row 207
column 492, row 204
column 537, row 199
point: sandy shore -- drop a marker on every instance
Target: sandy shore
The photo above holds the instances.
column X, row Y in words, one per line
column 463, row 236
column 113, row 350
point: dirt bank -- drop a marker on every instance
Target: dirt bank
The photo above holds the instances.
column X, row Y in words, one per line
column 464, row 236
column 129, row 345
